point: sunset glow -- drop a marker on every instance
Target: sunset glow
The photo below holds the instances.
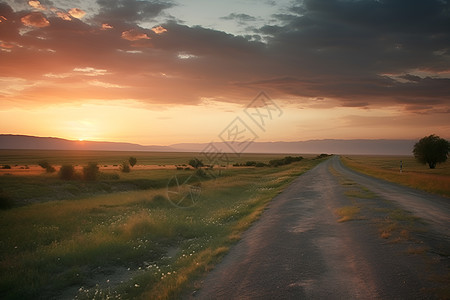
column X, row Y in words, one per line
column 153, row 72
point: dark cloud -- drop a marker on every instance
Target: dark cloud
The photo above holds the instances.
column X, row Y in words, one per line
column 130, row 11
column 344, row 49
column 241, row 18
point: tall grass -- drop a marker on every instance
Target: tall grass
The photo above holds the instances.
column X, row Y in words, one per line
column 134, row 243
column 413, row 174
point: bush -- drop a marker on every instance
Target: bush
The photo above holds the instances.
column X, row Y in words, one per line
column 200, row 173
column 90, row 172
column 125, row 167
column 47, row 166
column 196, row 163
column 6, row 167
column 260, row 164
column 67, row 172
column 132, row 160
column 284, row 161
column 5, row 201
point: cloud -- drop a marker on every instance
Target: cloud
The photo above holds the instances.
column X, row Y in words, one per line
column 130, row 11
column 77, row 13
column 134, row 35
column 63, row 15
column 106, row 26
column 36, row 4
column 337, row 50
column 241, row 18
column 35, row 19
column 89, row 71
column 159, row 29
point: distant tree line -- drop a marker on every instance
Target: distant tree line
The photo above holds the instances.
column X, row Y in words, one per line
column 272, row 163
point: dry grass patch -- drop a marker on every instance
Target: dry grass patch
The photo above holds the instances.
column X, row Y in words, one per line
column 348, row 213
column 413, row 174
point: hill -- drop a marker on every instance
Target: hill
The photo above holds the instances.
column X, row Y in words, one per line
column 356, row 146
column 8, row 141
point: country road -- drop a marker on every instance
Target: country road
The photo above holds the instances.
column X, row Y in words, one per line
column 299, row 250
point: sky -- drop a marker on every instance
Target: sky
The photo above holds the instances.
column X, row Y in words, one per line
column 161, row 72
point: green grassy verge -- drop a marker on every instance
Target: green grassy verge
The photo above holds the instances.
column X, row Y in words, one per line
column 413, row 174
column 130, row 244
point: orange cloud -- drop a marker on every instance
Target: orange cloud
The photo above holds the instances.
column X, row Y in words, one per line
column 89, row 71
column 63, row 15
column 35, row 19
column 36, row 4
column 77, row 13
column 159, row 30
column 134, row 35
column 106, row 26
column 6, row 45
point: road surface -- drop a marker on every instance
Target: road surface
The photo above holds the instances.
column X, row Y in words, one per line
column 298, row 250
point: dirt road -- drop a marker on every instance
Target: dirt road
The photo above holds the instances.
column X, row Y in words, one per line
column 299, row 250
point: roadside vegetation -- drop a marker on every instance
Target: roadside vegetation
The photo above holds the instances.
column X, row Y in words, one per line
column 101, row 236
column 404, row 170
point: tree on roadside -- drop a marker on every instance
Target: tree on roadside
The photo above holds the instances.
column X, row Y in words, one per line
column 431, row 150
column 132, row 160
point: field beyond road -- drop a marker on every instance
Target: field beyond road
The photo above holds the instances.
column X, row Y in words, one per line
column 411, row 174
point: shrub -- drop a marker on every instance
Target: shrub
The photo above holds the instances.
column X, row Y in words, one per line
column 47, row 166
column 196, row 163
column 67, row 172
column 5, row 201
column 90, row 172
column 132, row 160
column 284, row 161
column 125, row 167
column 200, row 173
column 260, row 164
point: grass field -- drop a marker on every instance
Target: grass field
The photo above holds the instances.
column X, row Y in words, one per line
column 413, row 174
column 123, row 238
column 59, row 157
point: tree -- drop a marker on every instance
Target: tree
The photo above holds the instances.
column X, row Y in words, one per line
column 90, row 171
column 125, row 167
column 67, row 172
column 431, row 150
column 47, row 166
column 196, row 163
column 132, row 160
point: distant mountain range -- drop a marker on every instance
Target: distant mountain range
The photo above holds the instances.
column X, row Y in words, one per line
column 357, row 146
column 9, row 141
